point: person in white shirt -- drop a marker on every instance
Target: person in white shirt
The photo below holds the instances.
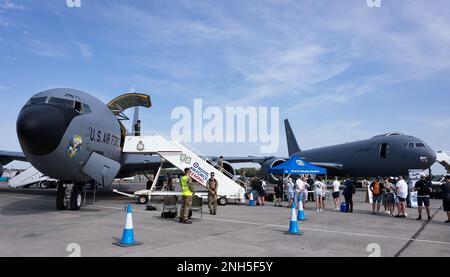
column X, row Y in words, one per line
column 305, row 191
column 401, row 189
column 262, row 193
column 290, row 190
column 336, row 186
column 300, row 187
column 319, row 190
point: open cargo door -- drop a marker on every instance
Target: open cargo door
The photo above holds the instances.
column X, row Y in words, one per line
column 125, row 101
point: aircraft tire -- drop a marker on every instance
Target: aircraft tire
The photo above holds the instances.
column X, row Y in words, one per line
column 143, row 200
column 61, row 202
column 44, row 185
column 75, row 198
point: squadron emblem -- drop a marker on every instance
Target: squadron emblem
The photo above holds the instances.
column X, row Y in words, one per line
column 74, row 146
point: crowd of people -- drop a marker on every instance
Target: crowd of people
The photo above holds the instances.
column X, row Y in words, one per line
column 391, row 193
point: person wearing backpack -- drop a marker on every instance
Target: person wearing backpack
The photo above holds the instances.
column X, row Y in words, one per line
column 377, row 191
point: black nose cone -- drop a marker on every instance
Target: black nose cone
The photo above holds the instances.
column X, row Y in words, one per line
column 40, row 129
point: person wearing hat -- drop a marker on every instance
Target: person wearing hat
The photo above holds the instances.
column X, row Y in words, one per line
column 446, row 197
column 423, row 188
column 212, row 186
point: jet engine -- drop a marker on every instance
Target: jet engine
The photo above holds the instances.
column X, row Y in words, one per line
column 267, row 165
column 228, row 167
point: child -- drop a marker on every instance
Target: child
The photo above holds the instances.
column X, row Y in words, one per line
column 390, row 199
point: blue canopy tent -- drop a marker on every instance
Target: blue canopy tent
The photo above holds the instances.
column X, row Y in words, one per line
column 296, row 166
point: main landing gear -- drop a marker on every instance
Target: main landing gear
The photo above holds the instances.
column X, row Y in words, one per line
column 69, row 196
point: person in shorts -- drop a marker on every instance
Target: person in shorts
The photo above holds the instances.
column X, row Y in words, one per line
column 402, row 192
column 390, row 198
column 377, row 189
column 336, row 186
column 446, row 197
column 423, row 188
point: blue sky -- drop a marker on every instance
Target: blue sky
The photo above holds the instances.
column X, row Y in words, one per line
column 339, row 70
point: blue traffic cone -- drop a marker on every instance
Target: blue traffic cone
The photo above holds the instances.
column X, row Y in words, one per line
column 293, row 226
column 251, row 202
column 128, row 233
column 301, row 212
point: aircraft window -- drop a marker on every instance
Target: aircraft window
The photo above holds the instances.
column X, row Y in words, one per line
column 37, row 100
column 78, row 106
column 61, row 102
column 411, row 145
column 420, row 145
column 86, row 109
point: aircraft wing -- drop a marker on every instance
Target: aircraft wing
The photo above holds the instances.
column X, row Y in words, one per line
column 249, row 159
column 328, row 165
column 6, row 157
column 260, row 160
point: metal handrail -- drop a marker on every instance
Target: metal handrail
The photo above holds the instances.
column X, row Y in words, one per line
column 225, row 172
column 208, row 160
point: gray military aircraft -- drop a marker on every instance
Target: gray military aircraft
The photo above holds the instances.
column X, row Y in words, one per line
column 72, row 136
column 391, row 154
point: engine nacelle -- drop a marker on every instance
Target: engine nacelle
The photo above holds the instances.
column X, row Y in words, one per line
column 1, row 170
column 228, row 167
column 267, row 165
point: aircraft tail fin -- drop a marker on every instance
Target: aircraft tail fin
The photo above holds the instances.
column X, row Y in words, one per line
column 290, row 138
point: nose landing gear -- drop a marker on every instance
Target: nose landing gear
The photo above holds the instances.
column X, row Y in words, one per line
column 69, row 196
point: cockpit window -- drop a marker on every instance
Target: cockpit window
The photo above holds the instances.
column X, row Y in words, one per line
column 86, row 109
column 420, row 145
column 61, row 102
column 37, row 100
column 411, row 145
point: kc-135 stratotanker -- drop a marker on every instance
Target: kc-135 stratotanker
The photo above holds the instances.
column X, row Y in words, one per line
column 71, row 136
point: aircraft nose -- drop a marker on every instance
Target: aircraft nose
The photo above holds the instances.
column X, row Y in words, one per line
column 40, row 129
column 429, row 157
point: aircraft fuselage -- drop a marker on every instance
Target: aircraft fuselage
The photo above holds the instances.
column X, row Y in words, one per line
column 385, row 155
column 59, row 129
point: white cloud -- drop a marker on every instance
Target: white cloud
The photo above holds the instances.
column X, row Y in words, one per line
column 84, row 49
column 437, row 123
column 9, row 5
column 341, row 95
column 46, row 49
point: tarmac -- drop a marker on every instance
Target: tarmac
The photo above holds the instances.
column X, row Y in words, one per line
column 30, row 225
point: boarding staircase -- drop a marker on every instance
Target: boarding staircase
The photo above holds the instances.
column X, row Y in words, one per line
column 28, row 177
column 181, row 157
column 443, row 157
